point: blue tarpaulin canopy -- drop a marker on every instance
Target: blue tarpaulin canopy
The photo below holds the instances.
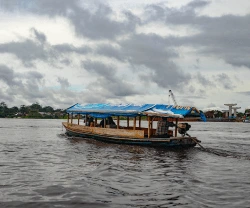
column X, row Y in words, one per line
column 103, row 110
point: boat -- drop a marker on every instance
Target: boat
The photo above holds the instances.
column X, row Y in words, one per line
column 169, row 131
column 246, row 121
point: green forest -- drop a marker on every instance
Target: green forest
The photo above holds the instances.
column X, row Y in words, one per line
column 31, row 111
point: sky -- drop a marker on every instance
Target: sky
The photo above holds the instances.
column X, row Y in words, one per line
column 62, row 52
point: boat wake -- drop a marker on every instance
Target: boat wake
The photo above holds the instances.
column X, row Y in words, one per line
column 225, row 153
column 62, row 135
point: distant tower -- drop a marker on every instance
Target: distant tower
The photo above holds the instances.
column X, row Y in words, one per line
column 235, row 109
column 226, row 113
column 230, row 108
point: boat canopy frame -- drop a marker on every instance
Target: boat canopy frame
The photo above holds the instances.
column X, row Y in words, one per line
column 104, row 110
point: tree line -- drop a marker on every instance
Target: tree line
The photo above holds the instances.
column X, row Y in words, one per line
column 34, row 110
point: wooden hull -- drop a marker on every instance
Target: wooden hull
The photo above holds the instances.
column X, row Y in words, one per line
column 85, row 132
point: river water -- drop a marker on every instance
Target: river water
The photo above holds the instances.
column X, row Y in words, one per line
column 41, row 167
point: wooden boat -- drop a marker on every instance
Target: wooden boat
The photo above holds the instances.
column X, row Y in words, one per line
column 167, row 133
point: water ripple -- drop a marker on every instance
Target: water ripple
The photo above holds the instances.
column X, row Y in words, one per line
column 41, row 167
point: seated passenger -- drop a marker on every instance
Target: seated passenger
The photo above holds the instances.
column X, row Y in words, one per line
column 162, row 127
column 89, row 121
column 111, row 122
column 102, row 123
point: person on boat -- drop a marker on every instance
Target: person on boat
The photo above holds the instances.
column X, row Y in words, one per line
column 102, row 123
column 162, row 127
column 89, row 120
column 111, row 122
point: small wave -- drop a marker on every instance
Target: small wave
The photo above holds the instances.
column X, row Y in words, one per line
column 62, row 135
column 8, row 151
column 202, row 130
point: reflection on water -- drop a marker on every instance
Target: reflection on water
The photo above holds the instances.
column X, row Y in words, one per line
column 41, row 167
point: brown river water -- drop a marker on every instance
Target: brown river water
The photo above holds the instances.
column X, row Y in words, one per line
column 41, row 167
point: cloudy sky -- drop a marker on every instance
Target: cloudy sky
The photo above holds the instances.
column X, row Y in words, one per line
column 63, row 52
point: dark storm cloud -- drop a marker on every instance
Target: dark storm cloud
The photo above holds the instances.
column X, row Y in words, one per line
column 5, row 97
column 34, row 75
column 39, row 36
column 110, row 51
column 94, row 24
column 29, row 50
column 99, row 25
column 203, row 80
column 226, row 37
column 63, row 82
column 31, row 83
column 19, row 80
column 157, row 12
column 29, row 88
column 42, row 7
column 116, row 88
column 224, row 80
column 65, row 62
column 153, row 52
column 197, row 4
column 7, row 75
column 107, row 80
column 68, row 48
column 26, row 85
column 100, row 69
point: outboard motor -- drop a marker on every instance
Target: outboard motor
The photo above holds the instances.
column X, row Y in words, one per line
column 183, row 128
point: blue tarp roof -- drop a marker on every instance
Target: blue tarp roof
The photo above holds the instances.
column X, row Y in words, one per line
column 103, row 110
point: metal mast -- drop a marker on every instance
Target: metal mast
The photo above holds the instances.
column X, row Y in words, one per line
column 172, row 96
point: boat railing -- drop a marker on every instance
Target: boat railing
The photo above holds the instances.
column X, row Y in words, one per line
column 105, row 131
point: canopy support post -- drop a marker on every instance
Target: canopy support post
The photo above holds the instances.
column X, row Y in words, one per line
column 134, row 123
column 149, row 126
column 176, row 127
column 78, row 119
column 104, row 123
column 71, row 118
column 152, row 122
column 127, row 121
column 118, row 122
column 86, row 119
column 95, row 122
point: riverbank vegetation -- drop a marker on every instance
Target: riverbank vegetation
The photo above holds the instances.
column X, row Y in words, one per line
column 35, row 110
column 31, row 111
